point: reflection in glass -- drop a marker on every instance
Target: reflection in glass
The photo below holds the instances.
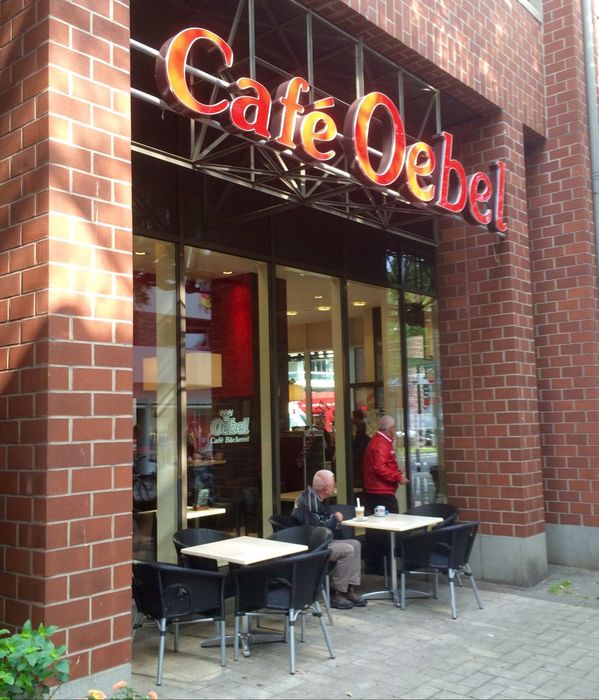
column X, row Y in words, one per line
column 222, row 425
column 375, row 367
column 307, row 304
column 424, row 410
column 155, row 399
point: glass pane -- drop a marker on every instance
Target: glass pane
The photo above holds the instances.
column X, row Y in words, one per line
column 155, row 399
column 221, row 379
column 427, row 482
column 307, row 303
column 375, row 369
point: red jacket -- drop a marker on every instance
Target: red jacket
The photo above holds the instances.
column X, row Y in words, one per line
column 381, row 473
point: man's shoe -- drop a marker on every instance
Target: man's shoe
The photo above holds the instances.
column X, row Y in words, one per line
column 340, row 602
column 356, row 600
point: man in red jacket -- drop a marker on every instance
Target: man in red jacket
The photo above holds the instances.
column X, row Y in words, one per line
column 382, row 475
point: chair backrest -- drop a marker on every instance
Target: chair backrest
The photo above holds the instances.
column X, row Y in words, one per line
column 314, row 537
column 343, row 532
column 163, row 590
column 147, row 588
column 446, row 511
column 284, row 583
column 189, row 537
column 187, row 591
column 447, row 547
column 280, row 522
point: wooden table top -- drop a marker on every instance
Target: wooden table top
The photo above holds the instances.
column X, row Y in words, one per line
column 245, row 550
column 397, row 522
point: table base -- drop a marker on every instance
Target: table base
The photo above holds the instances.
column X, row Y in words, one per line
column 246, row 639
column 388, row 594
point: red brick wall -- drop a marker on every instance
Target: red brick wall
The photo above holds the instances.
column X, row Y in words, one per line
column 492, row 453
column 65, row 293
column 485, row 53
column 564, row 276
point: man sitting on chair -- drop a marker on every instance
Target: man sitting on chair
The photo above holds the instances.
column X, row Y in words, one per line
column 346, row 554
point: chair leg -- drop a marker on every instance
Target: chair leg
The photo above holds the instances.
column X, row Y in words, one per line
column 302, row 627
column 176, row 635
column 474, row 587
column 162, row 628
column 223, row 645
column 326, row 599
column 436, row 584
column 402, row 591
column 236, row 639
column 323, row 627
column 136, row 625
column 291, row 618
column 451, row 577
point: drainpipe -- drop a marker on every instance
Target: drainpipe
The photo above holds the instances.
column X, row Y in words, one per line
column 591, row 85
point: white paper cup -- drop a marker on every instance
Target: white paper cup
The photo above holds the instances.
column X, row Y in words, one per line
column 359, row 512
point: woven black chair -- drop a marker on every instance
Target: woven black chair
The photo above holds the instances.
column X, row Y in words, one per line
column 280, row 522
column 189, row 537
column 170, row 594
column 289, row 586
column 315, row 538
column 444, row 550
column 446, row 511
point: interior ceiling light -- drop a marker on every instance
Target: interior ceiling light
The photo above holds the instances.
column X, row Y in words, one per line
column 139, row 252
column 227, row 272
column 324, row 308
column 292, row 313
column 318, row 296
column 359, row 303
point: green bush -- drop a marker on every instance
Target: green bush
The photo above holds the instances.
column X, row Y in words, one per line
column 29, row 661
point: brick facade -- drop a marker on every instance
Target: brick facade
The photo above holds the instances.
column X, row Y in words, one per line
column 65, row 291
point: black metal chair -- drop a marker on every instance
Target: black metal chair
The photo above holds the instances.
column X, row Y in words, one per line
column 315, row 538
column 444, row 550
column 280, row 522
column 446, row 511
column 288, row 586
column 170, row 594
column 189, row 537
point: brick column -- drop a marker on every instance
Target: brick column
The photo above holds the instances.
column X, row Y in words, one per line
column 65, row 309
column 489, row 386
column 564, row 265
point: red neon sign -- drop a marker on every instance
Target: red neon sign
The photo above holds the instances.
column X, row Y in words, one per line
column 426, row 175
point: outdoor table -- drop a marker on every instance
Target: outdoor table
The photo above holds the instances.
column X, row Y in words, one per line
column 245, row 551
column 392, row 523
column 203, row 512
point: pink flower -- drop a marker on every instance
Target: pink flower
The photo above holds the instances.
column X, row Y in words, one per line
column 120, row 685
column 152, row 695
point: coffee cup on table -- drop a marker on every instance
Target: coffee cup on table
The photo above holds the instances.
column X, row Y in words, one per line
column 380, row 510
column 359, row 512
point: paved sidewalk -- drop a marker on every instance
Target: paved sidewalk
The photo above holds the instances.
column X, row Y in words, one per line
column 526, row 643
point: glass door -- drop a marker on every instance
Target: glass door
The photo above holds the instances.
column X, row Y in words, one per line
column 375, row 369
column 309, row 344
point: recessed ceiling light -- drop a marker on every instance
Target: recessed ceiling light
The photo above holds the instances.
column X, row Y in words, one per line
column 139, row 252
column 318, row 296
column 292, row 313
column 359, row 303
column 324, row 308
column 227, row 272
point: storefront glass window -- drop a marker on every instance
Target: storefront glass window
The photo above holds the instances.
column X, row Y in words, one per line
column 375, row 368
column 221, row 381
column 308, row 342
column 155, row 399
column 427, row 481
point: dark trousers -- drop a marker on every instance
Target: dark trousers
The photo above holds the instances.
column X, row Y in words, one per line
column 377, row 543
